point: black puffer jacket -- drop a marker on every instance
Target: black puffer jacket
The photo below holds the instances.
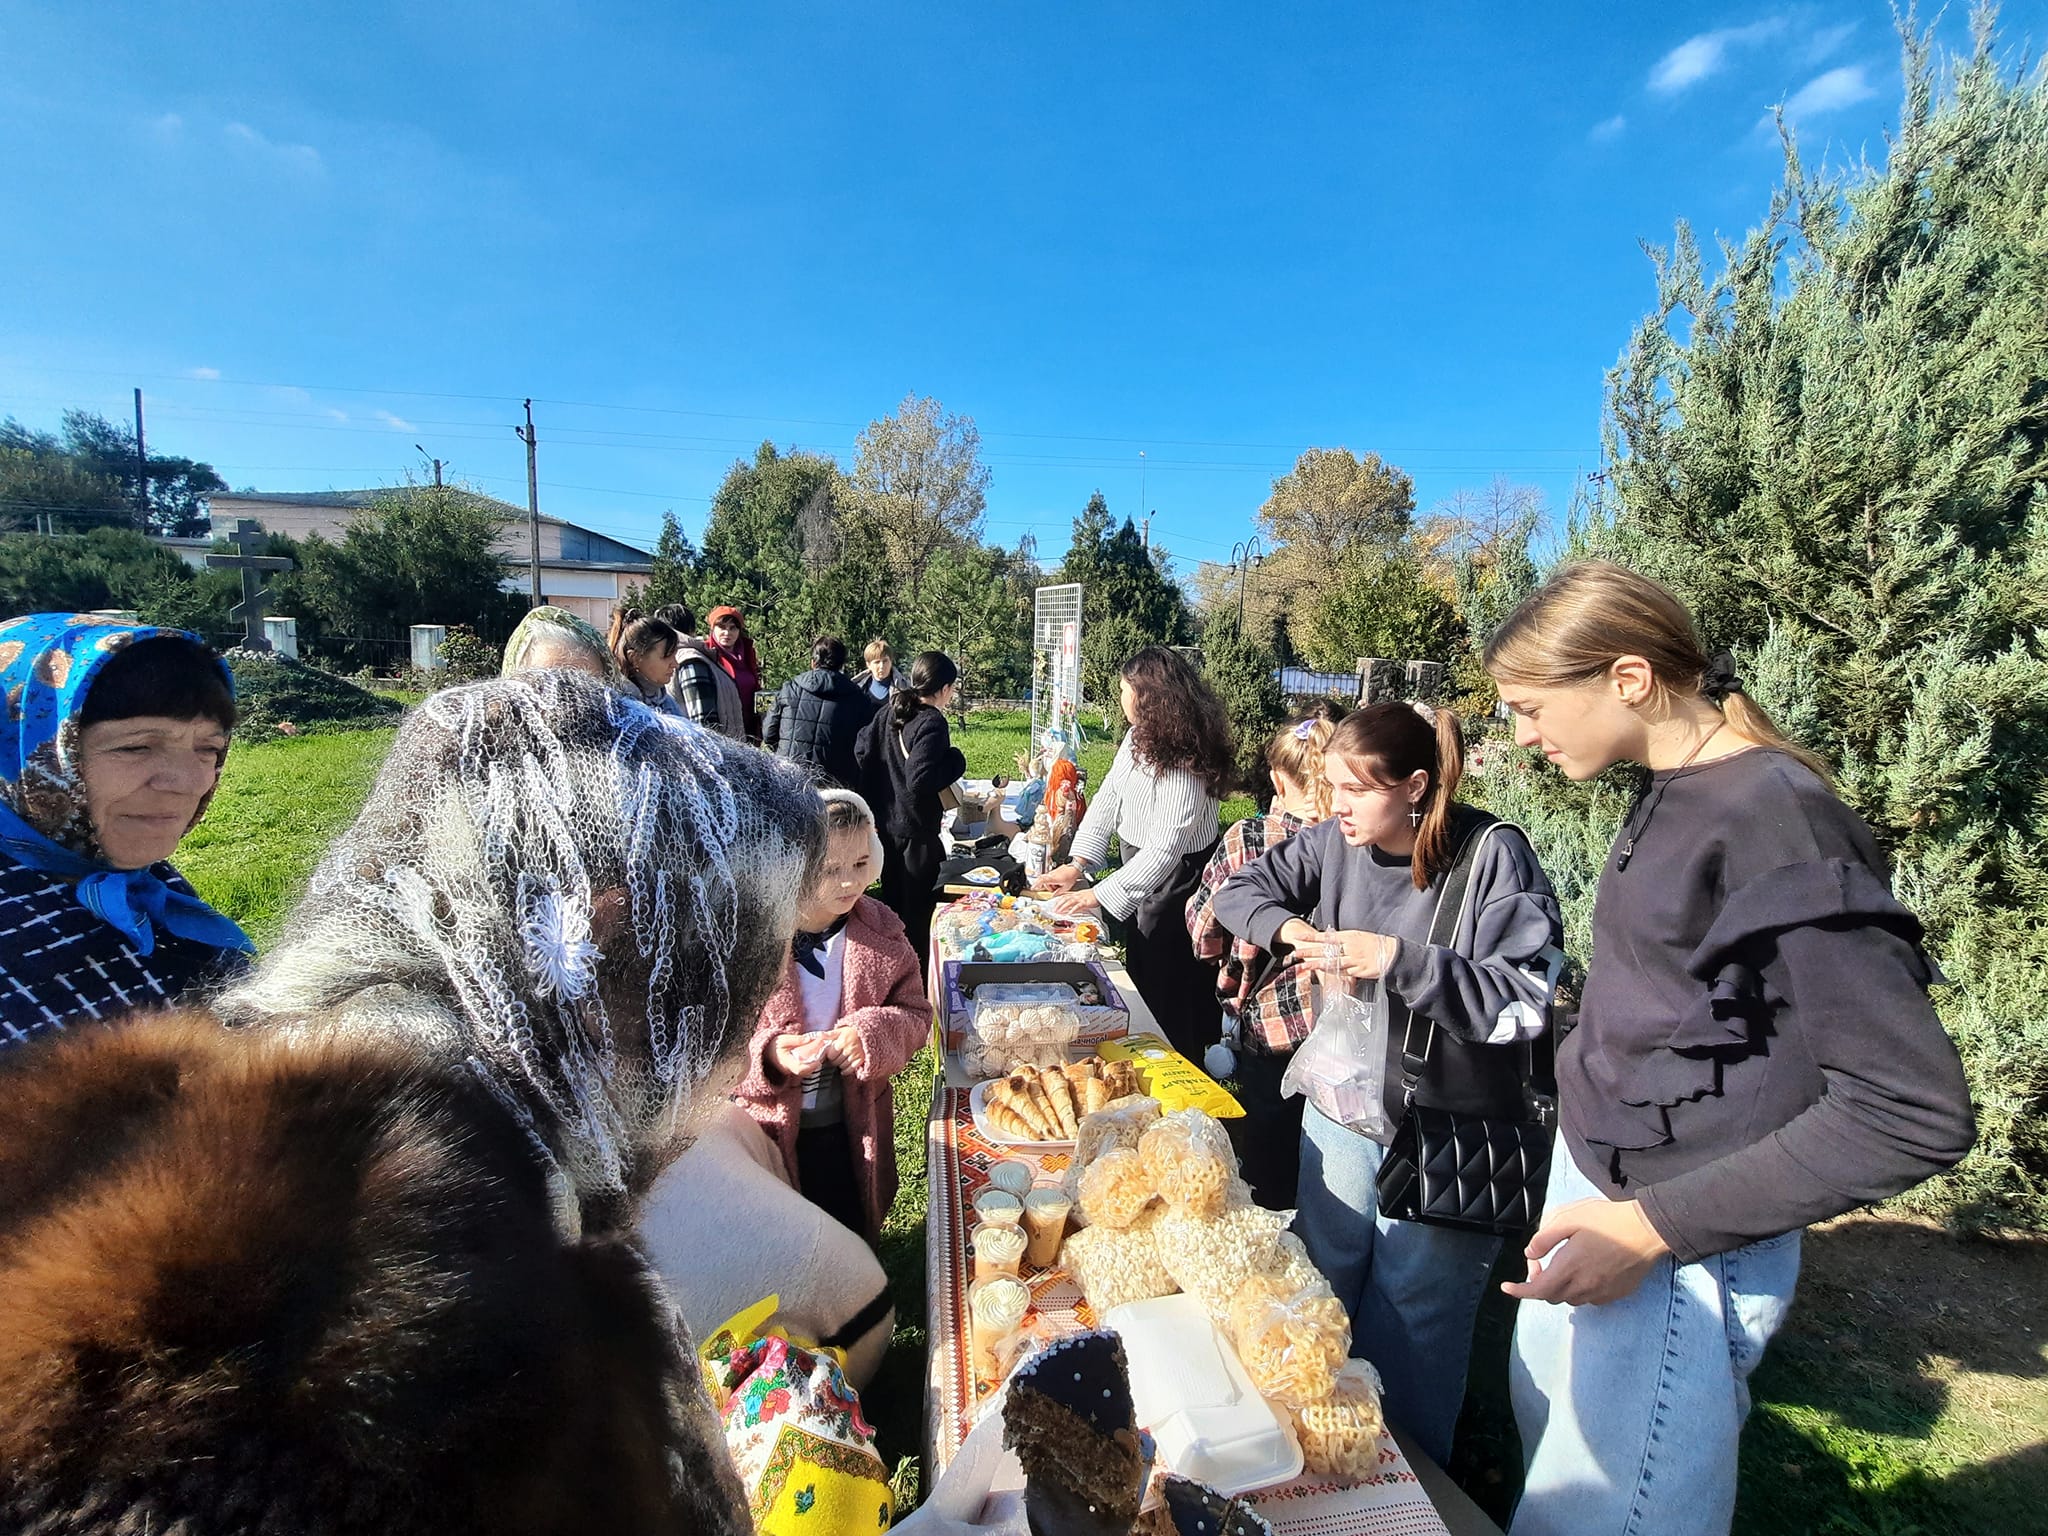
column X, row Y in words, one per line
column 815, row 720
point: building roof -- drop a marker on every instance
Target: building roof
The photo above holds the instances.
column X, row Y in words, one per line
column 356, row 500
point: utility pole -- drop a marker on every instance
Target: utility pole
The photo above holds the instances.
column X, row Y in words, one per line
column 141, row 468
column 1148, row 533
column 437, row 463
column 526, row 435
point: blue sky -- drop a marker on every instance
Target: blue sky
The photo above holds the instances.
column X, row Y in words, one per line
column 318, row 235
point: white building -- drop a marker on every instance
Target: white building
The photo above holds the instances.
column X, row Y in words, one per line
column 580, row 569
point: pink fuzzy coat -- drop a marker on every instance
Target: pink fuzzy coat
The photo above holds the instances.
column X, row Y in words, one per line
column 882, row 996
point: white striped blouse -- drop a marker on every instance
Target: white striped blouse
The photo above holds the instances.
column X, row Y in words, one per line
column 1165, row 815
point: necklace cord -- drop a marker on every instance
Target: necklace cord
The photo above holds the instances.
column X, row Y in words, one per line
column 1649, row 802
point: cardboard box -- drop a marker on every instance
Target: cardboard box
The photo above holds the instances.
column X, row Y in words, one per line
column 1109, row 1019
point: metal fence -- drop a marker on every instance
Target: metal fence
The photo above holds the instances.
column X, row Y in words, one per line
column 1300, row 683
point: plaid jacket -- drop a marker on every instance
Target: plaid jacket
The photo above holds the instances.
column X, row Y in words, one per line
column 1273, row 1002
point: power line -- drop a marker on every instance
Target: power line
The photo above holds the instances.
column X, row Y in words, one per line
column 659, row 410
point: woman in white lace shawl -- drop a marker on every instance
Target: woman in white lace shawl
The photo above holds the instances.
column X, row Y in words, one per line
column 365, row 1263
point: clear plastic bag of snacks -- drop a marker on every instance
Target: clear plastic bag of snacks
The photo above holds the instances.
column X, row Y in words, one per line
column 1209, row 1257
column 1115, row 1188
column 1114, row 1265
column 1188, row 1158
column 1340, row 1436
column 1293, row 1342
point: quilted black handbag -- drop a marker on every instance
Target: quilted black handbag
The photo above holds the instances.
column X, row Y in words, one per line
column 1480, row 1173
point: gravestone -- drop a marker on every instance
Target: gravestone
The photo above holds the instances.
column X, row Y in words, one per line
column 427, row 640
column 283, row 635
column 1429, row 681
column 1381, row 679
column 248, row 538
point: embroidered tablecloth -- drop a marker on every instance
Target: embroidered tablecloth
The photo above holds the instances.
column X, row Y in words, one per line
column 1390, row 1503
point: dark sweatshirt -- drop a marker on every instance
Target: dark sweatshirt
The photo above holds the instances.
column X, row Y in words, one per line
column 1489, row 987
column 1756, row 1050
column 902, row 772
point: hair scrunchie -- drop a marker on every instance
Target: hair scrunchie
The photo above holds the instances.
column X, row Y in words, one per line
column 1719, row 679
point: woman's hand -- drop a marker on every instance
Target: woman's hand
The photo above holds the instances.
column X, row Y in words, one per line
column 1299, row 933
column 1076, row 904
column 796, row 1055
column 845, row 1049
column 1342, row 951
column 1054, row 881
column 1598, row 1251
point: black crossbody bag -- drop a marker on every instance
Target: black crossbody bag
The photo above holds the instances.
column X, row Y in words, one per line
column 1478, row 1173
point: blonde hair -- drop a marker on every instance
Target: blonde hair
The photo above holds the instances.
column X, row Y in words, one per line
column 1591, row 613
column 877, row 649
column 1297, row 750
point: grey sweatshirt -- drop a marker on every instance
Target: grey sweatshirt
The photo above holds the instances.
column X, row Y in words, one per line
column 1490, row 986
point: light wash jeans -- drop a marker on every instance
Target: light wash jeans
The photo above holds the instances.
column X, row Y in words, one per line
column 1412, row 1290
column 1630, row 1413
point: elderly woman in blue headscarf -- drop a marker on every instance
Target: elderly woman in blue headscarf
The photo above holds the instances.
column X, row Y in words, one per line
column 110, row 750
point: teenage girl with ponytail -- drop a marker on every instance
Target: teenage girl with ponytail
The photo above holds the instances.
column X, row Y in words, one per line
column 645, row 649
column 906, row 756
column 1755, row 1052
column 1358, row 892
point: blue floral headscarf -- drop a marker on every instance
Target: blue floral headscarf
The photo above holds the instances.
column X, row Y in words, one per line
column 48, row 662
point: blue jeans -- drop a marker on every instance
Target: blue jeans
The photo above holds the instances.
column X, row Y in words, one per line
column 1630, row 1413
column 1412, row 1290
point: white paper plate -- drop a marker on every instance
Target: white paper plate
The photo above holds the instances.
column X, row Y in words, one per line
column 977, row 1102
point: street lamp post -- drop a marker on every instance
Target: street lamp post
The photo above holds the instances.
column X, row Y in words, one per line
column 1243, row 556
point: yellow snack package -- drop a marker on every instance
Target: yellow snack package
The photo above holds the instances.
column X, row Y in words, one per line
column 1170, row 1077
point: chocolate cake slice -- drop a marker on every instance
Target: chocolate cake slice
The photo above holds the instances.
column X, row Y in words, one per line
column 1070, row 1421
column 1195, row 1509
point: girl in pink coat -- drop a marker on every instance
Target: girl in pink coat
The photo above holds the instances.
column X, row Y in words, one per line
column 849, row 1015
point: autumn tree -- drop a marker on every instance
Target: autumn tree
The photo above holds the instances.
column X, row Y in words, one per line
column 918, row 482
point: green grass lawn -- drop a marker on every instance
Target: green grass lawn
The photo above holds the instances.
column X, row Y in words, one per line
column 1908, row 1395
column 279, row 804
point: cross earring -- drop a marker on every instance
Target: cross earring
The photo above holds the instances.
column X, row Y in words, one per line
column 1414, row 815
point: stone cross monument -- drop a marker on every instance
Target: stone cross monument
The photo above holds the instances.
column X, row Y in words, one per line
column 247, row 539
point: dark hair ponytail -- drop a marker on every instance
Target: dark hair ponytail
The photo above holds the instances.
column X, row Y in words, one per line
column 828, row 653
column 931, row 673
column 1390, row 742
column 634, row 633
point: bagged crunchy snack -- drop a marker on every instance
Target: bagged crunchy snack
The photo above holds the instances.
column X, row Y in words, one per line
column 1115, row 1189
column 1295, row 1269
column 1121, row 1124
column 1171, row 1078
column 1340, row 1436
column 1209, row 1257
column 1293, row 1342
column 1115, row 1265
column 1188, row 1159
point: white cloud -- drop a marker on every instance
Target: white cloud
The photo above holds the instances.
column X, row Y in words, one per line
column 395, row 423
column 202, row 373
column 303, row 158
column 1698, row 57
column 168, row 126
column 1609, row 128
column 337, row 415
column 1829, row 92
column 1827, row 40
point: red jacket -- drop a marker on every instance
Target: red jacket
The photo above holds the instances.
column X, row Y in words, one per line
column 882, row 996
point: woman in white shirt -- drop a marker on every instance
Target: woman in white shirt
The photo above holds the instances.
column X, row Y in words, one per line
column 1160, row 801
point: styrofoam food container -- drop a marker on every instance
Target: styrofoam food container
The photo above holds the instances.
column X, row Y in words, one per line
column 1191, row 1391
